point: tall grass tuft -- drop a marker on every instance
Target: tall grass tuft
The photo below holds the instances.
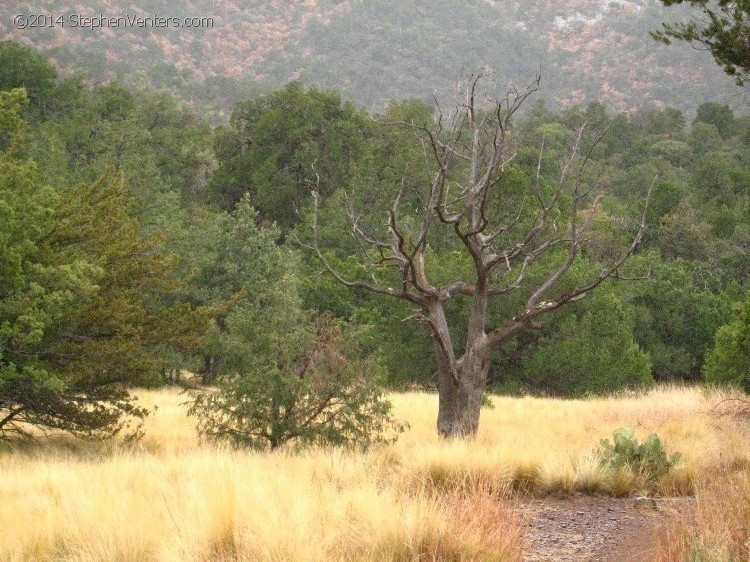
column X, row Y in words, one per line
column 719, row 530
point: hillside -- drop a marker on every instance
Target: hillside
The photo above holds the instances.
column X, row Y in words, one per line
column 374, row 52
column 584, row 49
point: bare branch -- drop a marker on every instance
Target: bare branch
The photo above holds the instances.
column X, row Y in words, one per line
column 404, row 293
column 498, row 336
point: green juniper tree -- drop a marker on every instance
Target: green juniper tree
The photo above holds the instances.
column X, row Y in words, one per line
column 729, row 361
column 84, row 311
column 281, row 376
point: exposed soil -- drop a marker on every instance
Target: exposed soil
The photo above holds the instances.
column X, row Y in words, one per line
column 593, row 529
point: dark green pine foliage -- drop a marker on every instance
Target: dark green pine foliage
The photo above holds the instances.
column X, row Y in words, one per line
column 593, row 352
column 282, row 376
column 23, row 67
column 83, row 312
column 729, row 362
column 276, row 144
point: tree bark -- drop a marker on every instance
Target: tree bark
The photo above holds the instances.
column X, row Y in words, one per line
column 460, row 404
column 208, row 374
column 460, row 383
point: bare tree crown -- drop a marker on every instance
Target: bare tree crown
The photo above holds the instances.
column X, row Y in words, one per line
column 480, row 139
column 469, row 153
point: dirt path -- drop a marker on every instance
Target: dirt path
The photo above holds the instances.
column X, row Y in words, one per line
column 589, row 529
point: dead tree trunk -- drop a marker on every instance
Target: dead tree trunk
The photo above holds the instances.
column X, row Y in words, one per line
column 476, row 146
column 460, row 401
column 460, row 383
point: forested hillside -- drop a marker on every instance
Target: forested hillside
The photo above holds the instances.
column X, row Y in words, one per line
column 375, row 52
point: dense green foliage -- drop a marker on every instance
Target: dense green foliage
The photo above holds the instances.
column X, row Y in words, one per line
column 83, row 310
column 23, row 67
column 729, row 361
column 276, row 144
column 676, row 320
column 288, row 381
column 282, row 376
column 138, row 242
column 591, row 353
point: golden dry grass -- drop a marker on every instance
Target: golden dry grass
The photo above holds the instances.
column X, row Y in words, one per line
column 173, row 498
column 719, row 529
column 547, row 444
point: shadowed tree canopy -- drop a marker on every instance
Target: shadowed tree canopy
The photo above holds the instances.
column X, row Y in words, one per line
column 272, row 142
column 729, row 361
column 23, row 67
column 720, row 116
column 723, row 29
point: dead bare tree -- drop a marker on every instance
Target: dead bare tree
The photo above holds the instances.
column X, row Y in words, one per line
column 476, row 144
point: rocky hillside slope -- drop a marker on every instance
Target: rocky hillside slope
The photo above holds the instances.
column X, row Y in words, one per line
column 375, row 51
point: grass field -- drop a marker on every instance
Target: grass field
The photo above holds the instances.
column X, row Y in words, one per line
column 172, row 498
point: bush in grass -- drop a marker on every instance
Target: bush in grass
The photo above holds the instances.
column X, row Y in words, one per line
column 647, row 459
column 280, row 375
column 291, row 380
